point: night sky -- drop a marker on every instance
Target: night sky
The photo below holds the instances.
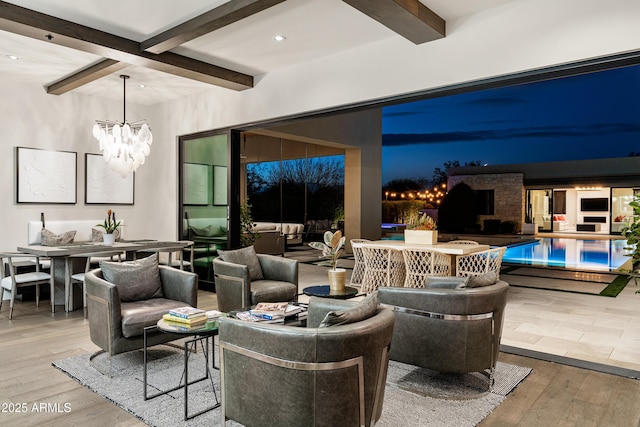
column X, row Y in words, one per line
column 587, row 116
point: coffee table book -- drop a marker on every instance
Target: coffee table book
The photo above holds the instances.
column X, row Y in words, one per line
column 270, row 309
column 196, row 321
column 188, row 312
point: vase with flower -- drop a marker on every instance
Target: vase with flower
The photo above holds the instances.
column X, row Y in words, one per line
column 332, row 248
column 424, row 232
column 111, row 227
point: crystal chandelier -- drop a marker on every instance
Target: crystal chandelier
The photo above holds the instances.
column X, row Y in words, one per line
column 123, row 145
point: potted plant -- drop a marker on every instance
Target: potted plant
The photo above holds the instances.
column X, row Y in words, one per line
column 247, row 236
column 423, row 232
column 110, row 226
column 631, row 232
column 332, row 248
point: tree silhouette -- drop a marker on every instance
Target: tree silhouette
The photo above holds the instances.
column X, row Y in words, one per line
column 440, row 174
column 458, row 211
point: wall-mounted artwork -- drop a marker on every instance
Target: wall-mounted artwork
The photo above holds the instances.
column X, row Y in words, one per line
column 219, row 185
column 104, row 185
column 45, row 176
column 195, row 184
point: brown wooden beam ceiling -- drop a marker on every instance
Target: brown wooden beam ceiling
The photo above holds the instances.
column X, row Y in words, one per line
column 86, row 75
column 221, row 16
column 29, row 23
column 409, row 18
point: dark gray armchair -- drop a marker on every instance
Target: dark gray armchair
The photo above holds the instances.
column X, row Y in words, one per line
column 117, row 326
column 239, row 286
column 449, row 330
column 284, row 376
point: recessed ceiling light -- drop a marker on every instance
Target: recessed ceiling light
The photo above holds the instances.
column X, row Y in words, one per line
column 142, row 86
column 13, row 57
column 279, row 38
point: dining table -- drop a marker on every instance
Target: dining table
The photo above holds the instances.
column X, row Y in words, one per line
column 68, row 259
column 448, row 248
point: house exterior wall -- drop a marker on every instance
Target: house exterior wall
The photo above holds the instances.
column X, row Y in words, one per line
column 509, row 194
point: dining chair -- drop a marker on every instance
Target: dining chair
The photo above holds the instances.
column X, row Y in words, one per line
column 358, row 266
column 479, row 263
column 91, row 260
column 176, row 258
column 173, row 256
column 420, row 263
column 383, row 266
column 14, row 280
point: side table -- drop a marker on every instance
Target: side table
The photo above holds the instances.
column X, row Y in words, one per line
column 200, row 335
column 325, row 291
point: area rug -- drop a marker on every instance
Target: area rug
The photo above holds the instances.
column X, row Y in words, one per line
column 592, row 283
column 413, row 396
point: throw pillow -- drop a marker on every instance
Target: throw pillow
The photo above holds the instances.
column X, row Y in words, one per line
column 361, row 311
column 486, row 279
column 50, row 238
column 244, row 256
column 136, row 280
column 440, row 282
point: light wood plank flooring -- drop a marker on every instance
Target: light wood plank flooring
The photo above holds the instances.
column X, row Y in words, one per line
column 554, row 394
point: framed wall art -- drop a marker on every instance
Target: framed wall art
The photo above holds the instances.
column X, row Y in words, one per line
column 44, row 176
column 195, row 184
column 104, row 185
column 219, row 185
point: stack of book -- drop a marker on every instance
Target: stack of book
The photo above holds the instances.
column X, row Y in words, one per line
column 272, row 312
column 186, row 316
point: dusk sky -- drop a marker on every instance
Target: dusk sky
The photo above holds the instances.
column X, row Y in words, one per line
column 588, row 116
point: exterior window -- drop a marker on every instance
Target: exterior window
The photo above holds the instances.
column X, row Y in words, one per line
column 485, row 201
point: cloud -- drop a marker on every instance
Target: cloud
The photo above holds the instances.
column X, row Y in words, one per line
column 539, row 132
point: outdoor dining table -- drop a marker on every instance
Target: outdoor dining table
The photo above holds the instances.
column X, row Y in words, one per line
column 448, row 248
column 68, row 259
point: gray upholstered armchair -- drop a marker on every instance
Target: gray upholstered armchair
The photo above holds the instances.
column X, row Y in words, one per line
column 244, row 278
column 450, row 330
column 285, row 376
column 118, row 312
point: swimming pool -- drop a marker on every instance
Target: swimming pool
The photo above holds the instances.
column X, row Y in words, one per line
column 596, row 255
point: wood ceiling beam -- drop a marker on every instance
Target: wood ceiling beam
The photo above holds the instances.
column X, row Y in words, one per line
column 29, row 23
column 87, row 75
column 228, row 13
column 409, row 18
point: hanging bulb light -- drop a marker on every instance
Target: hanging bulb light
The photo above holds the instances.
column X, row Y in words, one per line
column 124, row 145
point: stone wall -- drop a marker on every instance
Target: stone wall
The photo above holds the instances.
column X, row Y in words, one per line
column 508, row 194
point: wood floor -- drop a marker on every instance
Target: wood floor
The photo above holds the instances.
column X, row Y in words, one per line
column 553, row 395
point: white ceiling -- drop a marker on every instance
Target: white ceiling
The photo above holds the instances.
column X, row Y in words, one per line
column 314, row 28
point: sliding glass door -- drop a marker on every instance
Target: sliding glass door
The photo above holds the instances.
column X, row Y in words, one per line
column 204, row 198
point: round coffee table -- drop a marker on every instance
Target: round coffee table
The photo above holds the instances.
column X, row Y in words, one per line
column 325, row 291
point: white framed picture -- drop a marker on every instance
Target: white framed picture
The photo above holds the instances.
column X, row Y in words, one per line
column 195, row 184
column 104, row 185
column 44, row 176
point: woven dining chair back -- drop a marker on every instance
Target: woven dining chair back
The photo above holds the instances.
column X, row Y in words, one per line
column 420, row 263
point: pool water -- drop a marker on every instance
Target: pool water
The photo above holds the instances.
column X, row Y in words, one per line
column 597, row 255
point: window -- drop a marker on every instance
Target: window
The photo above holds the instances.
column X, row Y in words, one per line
column 484, row 199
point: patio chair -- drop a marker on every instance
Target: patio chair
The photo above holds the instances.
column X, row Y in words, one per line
column 479, row 263
column 358, row 266
column 383, row 267
column 420, row 263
